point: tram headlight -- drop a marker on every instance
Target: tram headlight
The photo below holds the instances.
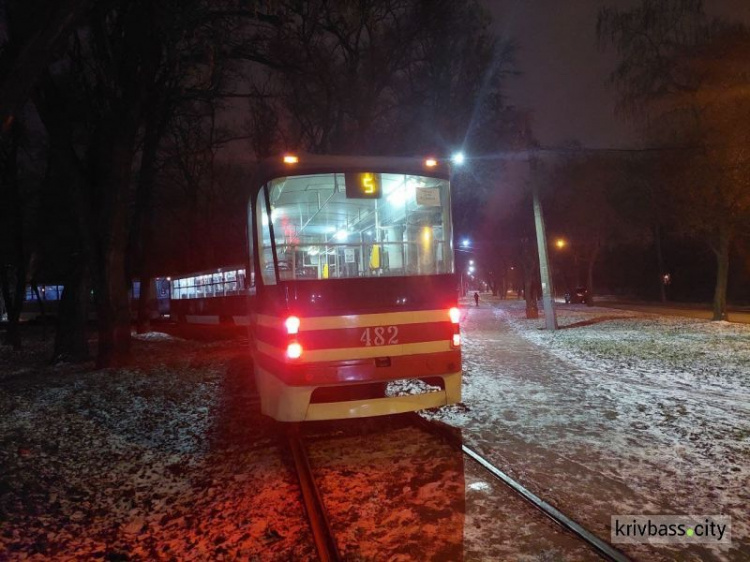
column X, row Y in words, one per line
column 294, row 350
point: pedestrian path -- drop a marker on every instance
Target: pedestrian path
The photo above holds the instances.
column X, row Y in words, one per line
column 584, row 439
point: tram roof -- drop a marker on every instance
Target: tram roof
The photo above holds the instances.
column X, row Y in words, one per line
column 309, row 164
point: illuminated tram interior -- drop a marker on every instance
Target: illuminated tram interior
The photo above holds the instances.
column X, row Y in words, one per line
column 355, row 225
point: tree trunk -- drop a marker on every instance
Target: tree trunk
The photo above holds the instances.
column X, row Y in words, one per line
column 112, row 300
column 141, row 234
column 71, row 341
column 112, row 308
column 13, row 294
column 590, row 275
column 660, row 263
column 577, row 270
column 40, row 301
column 143, row 324
column 722, row 275
column 14, row 221
column 529, row 294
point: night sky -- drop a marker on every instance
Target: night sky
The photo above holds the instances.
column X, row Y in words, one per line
column 564, row 75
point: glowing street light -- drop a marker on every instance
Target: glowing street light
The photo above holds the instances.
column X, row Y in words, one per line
column 465, row 242
column 561, row 243
column 458, row 158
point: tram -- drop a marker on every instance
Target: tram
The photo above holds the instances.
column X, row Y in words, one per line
column 44, row 300
column 218, row 296
column 352, row 293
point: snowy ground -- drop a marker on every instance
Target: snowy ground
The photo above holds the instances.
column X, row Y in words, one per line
column 169, row 459
column 394, row 492
column 165, row 460
column 616, row 413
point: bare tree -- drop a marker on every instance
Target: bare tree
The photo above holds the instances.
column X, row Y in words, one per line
column 47, row 24
column 98, row 107
column 685, row 77
column 399, row 76
column 581, row 208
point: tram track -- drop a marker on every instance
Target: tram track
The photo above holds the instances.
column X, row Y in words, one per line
column 311, row 497
column 319, row 520
column 601, row 547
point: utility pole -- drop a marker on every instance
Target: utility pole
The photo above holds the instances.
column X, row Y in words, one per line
column 550, row 317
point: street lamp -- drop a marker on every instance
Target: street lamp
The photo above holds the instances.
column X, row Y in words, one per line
column 561, row 243
column 458, row 158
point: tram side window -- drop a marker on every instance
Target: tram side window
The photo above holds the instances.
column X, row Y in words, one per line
column 265, row 251
column 46, row 292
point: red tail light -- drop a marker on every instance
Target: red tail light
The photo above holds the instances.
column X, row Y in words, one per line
column 294, row 350
column 292, row 325
column 455, row 315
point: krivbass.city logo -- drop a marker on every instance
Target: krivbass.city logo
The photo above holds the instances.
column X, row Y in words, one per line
column 671, row 529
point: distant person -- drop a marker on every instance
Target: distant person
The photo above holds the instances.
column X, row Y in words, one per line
column 476, row 298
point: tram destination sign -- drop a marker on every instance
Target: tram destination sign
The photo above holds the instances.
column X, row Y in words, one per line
column 363, row 185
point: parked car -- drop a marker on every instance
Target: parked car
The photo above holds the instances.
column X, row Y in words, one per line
column 577, row 296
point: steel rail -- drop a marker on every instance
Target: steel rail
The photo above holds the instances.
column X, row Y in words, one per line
column 319, row 524
column 603, row 548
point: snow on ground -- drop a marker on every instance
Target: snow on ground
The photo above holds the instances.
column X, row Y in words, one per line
column 153, row 336
column 421, row 500
column 616, row 413
column 169, row 458
column 163, row 460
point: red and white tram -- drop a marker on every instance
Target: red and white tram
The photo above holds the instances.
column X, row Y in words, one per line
column 352, row 297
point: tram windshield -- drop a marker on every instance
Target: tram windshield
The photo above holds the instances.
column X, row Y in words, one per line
column 357, row 225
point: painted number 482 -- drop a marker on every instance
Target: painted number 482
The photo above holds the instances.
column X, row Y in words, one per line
column 382, row 335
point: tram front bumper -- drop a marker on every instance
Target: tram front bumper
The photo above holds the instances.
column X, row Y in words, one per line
column 290, row 403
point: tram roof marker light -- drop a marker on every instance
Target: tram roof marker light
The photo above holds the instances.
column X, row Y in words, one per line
column 291, row 159
column 430, row 162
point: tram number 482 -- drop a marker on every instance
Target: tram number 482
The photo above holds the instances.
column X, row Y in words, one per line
column 381, row 335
